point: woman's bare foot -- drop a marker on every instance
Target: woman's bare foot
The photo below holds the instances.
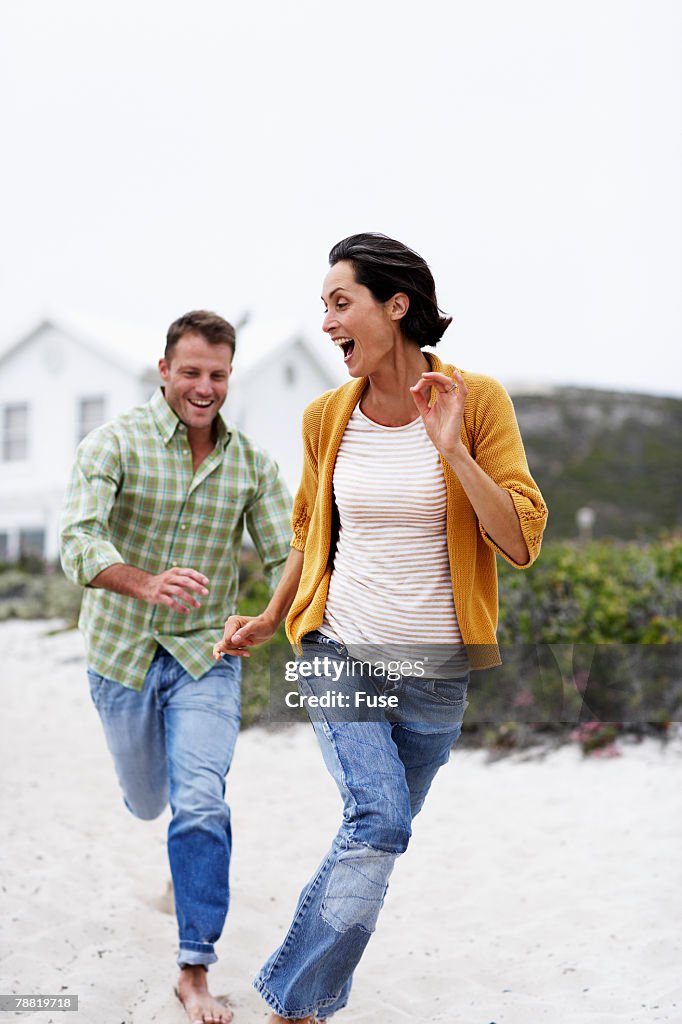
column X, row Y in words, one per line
column 199, row 1004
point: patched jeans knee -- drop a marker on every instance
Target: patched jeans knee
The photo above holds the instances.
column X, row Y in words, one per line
column 356, row 888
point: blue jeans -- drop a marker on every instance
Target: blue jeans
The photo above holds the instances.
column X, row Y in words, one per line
column 173, row 740
column 383, row 770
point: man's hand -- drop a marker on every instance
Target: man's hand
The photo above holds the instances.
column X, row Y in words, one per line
column 242, row 632
column 176, row 588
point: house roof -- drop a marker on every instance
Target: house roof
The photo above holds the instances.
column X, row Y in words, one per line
column 132, row 348
column 138, row 349
column 270, row 339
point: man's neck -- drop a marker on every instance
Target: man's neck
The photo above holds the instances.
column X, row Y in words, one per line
column 202, row 441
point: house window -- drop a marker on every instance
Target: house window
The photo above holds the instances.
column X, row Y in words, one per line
column 31, row 542
column 91, row 414
column 15, row 432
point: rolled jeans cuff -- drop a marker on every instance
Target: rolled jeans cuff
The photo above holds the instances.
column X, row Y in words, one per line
column 196, row 954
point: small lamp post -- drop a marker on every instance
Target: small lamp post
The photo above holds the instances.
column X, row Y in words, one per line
column 585, row 518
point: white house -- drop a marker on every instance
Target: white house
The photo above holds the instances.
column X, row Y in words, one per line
column 65, row 377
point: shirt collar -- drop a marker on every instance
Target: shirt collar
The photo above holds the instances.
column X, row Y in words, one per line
column 168, row 422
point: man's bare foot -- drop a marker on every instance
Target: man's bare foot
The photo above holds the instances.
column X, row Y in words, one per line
column 199, row 1004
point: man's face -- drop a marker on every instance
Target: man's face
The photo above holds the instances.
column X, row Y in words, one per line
column 195, row 379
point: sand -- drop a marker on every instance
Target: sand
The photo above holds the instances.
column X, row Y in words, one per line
column 534, row 890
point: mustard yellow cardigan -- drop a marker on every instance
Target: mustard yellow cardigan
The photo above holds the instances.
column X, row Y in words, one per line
column 491, row 434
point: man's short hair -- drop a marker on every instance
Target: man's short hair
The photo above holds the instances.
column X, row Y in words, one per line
column 210, row 326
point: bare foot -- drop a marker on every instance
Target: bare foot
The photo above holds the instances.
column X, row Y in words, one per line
column 199, row 1004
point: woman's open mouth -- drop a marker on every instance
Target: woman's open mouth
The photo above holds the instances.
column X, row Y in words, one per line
column 347, row 344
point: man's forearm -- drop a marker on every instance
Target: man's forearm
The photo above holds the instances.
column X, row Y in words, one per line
column 124, row 579
column 179, row 588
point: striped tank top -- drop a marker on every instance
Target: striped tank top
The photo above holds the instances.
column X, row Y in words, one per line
column 391, row 581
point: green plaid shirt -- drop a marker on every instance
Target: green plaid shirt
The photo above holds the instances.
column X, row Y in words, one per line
column 134, row 498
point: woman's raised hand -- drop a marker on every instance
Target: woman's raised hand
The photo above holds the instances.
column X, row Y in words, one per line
column 443, row 419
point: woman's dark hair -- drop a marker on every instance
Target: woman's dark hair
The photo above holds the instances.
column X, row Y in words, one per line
column 386, row 267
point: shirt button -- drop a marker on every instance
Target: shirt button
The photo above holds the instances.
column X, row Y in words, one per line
column 182, row 526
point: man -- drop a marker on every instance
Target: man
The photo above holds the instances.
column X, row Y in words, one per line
column 152, row 529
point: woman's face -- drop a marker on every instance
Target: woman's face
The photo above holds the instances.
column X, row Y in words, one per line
column 364, row 329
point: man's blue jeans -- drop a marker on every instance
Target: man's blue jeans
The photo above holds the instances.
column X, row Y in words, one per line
column 383, row 770
column 173, row 741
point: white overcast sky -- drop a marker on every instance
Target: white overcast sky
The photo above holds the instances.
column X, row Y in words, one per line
column 163, row 156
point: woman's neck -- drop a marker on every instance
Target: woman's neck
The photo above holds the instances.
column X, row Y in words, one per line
column 387, row 399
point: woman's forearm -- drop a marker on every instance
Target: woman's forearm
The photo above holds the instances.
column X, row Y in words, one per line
column 492, row 504
column 285, row 591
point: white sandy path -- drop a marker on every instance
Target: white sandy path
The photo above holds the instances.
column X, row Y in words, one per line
column 534, row 891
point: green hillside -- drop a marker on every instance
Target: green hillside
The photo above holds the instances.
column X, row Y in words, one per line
column 618, row 453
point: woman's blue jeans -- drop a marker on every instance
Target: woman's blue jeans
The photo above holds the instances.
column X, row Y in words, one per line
column 383, row 770
column 173, row 740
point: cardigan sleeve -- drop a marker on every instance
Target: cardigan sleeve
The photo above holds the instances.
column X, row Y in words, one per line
column 498, row 449
column 304, row 502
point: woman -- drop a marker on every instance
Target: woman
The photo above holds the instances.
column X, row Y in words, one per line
column 414, row 477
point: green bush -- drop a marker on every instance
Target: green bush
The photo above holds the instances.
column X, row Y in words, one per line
column 597, row 593
column 28, row 594
column 615, row 610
